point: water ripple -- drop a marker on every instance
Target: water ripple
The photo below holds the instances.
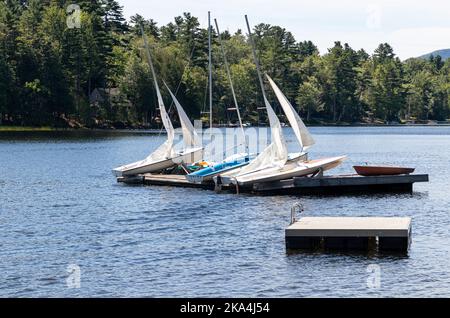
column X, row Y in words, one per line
column 170, row 242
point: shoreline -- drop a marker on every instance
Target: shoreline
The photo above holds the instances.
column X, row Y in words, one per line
column 153, row 130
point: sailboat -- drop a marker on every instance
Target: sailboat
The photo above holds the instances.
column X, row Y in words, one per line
column 275, row 163
column 165, row 156
column 274, row 155
column 296, row 165
column 236, row 161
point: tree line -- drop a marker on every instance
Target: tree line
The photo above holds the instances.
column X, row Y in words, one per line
column 97, row 75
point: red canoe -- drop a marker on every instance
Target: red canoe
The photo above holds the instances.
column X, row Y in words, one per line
column 368, row 171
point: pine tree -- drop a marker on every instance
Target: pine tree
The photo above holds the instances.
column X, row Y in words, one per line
column 150, row 27
column 113, row 15
column 387, row 96
column 340, row 64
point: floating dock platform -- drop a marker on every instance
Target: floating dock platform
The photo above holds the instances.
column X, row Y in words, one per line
column 168, row 180
column 174, row 181
column 131, row 180
column 338, row 184
column 341, row 184
column 350, row 233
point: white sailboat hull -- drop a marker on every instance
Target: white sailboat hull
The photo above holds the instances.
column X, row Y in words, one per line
column 145, row 166
column 189, row 156
column 227, row 177
column 290, row 170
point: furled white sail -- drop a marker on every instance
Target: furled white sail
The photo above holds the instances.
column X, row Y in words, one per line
column 281, row 154
column 276, row 154
column 190, row 136
column 165, row 151
column 167, row 125
column 304, row 137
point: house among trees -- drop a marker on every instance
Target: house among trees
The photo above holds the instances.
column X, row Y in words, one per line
column 109, row 103
column 100, row 96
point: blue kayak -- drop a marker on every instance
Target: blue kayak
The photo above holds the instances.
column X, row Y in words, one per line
column 207, row 174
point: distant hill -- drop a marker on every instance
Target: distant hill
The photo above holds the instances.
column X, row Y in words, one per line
column 445, row 54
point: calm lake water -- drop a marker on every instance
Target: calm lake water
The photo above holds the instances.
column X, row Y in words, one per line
column 60, row 206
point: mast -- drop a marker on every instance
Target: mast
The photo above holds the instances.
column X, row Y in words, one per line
column 255, row 57
column 227, row 66
column 277, row 134
column 164, row 115
column 150, row 62
column 210, row 75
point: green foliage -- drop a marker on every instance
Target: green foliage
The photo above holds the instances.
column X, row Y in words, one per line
column 138, row 86
column 48, row 71
column 310, row 97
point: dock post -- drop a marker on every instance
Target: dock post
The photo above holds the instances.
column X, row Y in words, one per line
column 296, row 208
column 218, row 184
column 237, row 187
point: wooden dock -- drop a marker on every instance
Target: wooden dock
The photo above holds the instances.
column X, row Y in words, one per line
column 174, row 181
column 131, row 180
column 349, row 233
column 341, row 184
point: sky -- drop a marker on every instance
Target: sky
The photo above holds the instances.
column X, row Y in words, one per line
column 412, row 27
